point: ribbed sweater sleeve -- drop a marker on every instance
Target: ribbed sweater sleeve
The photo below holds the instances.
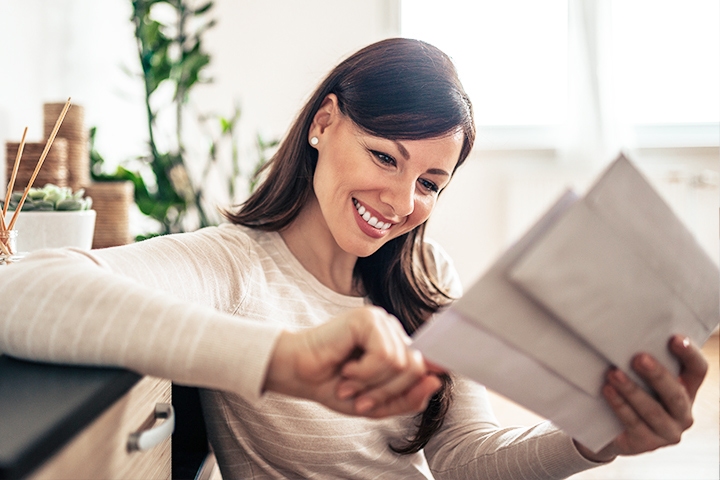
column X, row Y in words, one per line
column 161, row 307
column 471, row 444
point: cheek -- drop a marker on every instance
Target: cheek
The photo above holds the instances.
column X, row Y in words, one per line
column 423, row 208
column 323, row 178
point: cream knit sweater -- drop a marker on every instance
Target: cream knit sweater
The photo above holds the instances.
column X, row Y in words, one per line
column 205, row 309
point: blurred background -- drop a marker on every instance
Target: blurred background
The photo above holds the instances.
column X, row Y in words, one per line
column 560, row 87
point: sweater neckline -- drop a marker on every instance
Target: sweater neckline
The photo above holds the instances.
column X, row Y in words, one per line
column 299, row 270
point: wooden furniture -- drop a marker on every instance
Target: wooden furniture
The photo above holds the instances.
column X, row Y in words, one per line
column 101, row 449
column 74, row 422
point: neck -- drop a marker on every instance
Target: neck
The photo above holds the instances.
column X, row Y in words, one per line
column 316, row 249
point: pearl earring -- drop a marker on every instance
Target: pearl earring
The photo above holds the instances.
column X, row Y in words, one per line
column 314, row 141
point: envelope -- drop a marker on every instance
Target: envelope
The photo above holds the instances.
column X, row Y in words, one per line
column 621, row 271
column 500, row 308
column 482, row 356
column 595, row 281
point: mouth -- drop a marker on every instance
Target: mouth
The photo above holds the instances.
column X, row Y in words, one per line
column 371, row 220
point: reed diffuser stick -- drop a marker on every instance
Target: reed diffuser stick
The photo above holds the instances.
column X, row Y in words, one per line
column 11, row 184
column 48, row 144
column 5, row 249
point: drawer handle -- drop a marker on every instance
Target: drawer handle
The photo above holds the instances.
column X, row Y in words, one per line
column 147, row 439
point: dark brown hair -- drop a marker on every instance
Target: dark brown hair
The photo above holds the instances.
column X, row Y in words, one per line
column 399, row 89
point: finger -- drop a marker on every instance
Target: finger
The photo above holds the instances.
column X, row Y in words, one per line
column 386, row 355
column 413, row 400
column 397, row 326
column 637, row 436
column 434, row 368
column 401, row 382
column 348, row 388
column 392, row 375
column 671, row 392
column 648, row 410
column 694, row 365
column 625, row 413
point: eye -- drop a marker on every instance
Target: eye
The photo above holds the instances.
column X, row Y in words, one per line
column 428, row 185
column 384, row 158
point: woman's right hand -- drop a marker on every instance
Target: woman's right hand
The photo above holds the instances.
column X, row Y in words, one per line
column 358, row 363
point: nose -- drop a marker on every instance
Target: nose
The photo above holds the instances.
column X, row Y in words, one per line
column 399, row 194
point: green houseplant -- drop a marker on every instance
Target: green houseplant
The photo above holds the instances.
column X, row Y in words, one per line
column 171, row 51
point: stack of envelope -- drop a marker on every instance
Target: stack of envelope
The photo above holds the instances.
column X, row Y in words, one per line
column 596, row 280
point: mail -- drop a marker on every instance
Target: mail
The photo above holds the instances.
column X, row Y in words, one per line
column 596, row 280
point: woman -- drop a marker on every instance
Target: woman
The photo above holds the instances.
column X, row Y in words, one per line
column 337, row 223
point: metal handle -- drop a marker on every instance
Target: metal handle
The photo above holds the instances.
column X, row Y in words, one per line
column 147, row 439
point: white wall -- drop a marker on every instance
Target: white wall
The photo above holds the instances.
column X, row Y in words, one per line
column 267, row 55
column 270, row 55
column 54, row 49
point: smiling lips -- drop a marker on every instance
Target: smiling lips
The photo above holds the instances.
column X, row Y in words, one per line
column 372, row 221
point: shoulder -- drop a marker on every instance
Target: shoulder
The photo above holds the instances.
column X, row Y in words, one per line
column 223, row 248
column 440, row 263
column 225, row 239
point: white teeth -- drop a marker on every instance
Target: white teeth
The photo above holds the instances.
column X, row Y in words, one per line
column 372, row 221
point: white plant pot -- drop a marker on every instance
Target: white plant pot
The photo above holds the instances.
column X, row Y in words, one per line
column 38, row 230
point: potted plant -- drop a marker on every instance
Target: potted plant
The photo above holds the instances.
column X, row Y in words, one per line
column 52, row 217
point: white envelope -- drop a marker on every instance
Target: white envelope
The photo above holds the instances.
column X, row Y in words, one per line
column 620, row 270
column 500, row 308
column 479, row 355
column 594, row 282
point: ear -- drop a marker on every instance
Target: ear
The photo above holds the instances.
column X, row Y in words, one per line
column 325, row 116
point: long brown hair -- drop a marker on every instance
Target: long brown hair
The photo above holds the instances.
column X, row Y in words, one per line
column 399, row 89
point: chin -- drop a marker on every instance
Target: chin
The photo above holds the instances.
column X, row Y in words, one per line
column 365, row 252
column 362, row 249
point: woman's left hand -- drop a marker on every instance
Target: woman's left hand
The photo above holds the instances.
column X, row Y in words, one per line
column 652, row 423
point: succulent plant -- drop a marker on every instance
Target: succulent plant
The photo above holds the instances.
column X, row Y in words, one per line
column 51, row 198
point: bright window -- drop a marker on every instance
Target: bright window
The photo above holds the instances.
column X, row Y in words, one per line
column 511, row 54
column 648, row 67
column 667, row 60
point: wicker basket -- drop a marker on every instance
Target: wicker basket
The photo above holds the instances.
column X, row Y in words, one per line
column 74, row 132
column 54, row 168
column 112, row 202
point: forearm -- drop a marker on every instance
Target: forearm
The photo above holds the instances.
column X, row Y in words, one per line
column 516, row 453
column 70, row 310
column 472, row 444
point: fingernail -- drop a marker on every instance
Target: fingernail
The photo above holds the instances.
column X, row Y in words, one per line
column 647, row 362
column 620, row 377
column 680, row 342
column 609, row 392
column 364, row 405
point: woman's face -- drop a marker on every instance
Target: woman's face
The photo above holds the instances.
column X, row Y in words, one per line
column 371, row 189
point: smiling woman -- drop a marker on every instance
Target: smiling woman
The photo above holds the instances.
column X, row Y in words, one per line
column 387, row 120
column 387, row 187
column 322, row 273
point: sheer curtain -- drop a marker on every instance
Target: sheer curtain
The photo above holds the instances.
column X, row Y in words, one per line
column 594, row 132
column 585, row 78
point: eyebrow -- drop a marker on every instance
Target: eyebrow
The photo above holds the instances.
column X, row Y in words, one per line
column 406, row 155
column 438, row 171
column 403, row 150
